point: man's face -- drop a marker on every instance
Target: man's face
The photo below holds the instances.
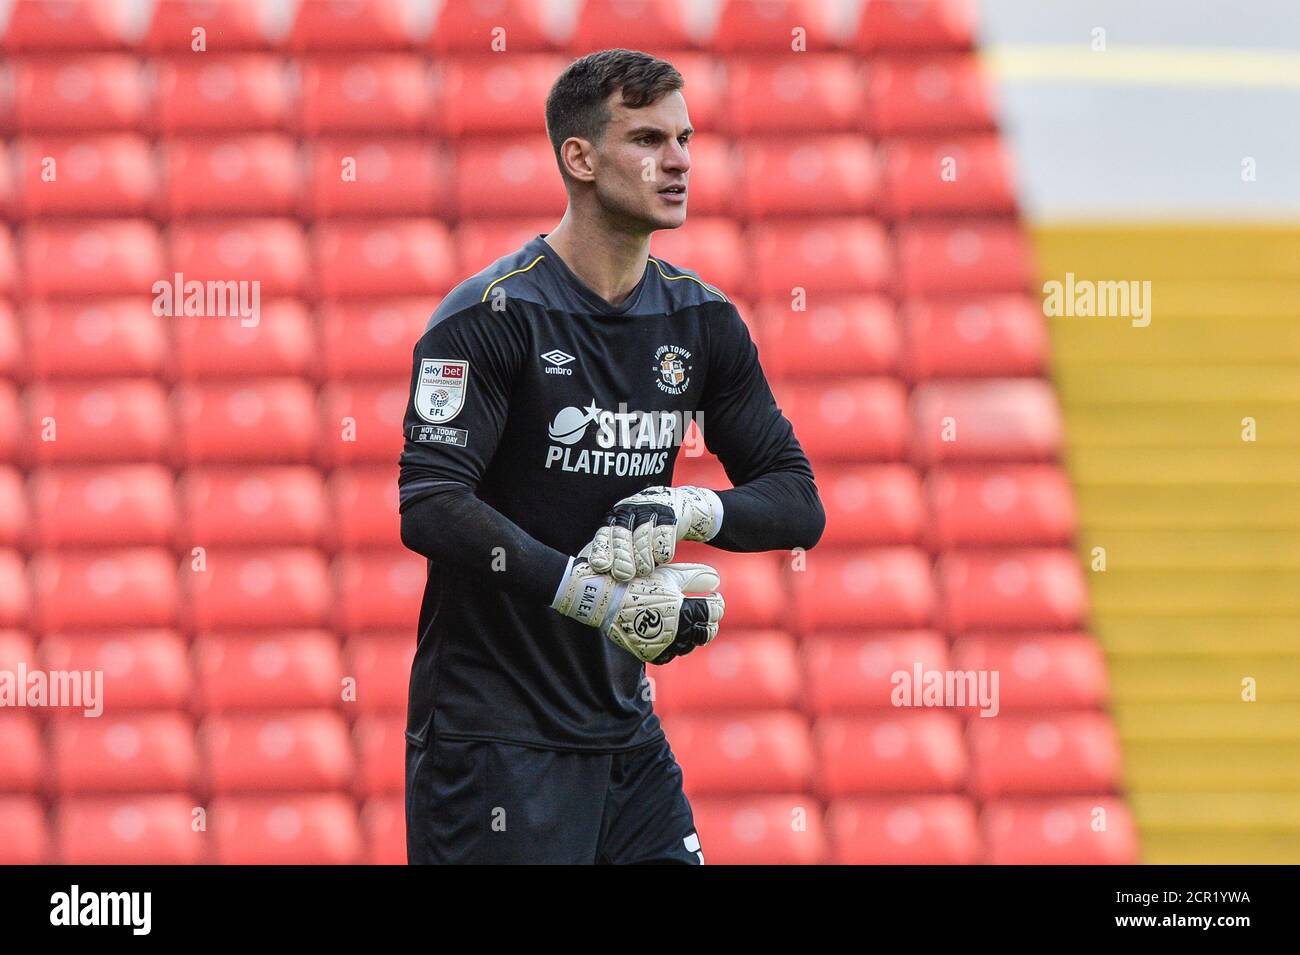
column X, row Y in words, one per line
column 642, row 165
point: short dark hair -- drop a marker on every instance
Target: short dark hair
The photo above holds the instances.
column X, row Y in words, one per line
column 576, row 103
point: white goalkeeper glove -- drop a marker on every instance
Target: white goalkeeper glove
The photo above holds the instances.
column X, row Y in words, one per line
column 641, row 532
column 649, row 617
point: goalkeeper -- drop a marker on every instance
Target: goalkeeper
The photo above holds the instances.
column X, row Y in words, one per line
column 549, row 398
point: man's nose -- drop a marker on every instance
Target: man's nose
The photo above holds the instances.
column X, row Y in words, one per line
column 676, row 159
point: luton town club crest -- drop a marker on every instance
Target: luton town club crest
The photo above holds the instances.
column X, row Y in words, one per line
column 674, row 371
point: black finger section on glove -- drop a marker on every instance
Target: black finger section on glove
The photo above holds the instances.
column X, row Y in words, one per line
column 634, row 515
column 692, row 630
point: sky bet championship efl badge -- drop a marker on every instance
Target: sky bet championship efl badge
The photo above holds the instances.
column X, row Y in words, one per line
column 440, row 393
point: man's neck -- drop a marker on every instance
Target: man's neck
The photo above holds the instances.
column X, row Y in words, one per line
column 609, row 262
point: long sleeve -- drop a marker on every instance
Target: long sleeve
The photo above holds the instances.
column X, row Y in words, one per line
column 774, row 504
column 464, row 367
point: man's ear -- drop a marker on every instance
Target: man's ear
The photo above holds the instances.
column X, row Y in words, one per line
column 578, row 157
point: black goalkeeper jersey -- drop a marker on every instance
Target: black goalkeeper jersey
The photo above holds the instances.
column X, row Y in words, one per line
column 532, row 395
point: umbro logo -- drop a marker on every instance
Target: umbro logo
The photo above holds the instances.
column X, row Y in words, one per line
column 557, row 360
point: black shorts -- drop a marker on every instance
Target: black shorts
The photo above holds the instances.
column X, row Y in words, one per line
column 474, row 801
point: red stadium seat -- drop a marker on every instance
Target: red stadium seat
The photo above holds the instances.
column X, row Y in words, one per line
column 473, row 28
column 362, row 422
column 102, row 338
column 143, row 669
column 109, row 505
column 370, row 338
column 230, row 92
column 15, row 592
column 8, row 261
column 24, row 767
column 378, row 176
column 253, row 506
column 112, row 174
column 1014, row 419
column 79, row 93
column 104, row 589
column 742, row 670
column 970, row 173
column 383, row 822
column 761, row 752
column 863, row 419
column 710, row 247
column 816, row 175
column 911, row 830
column 701, row 470
column 884, row 587
column 1044, row 754
column 352, row 25
column 16, row 647
column 247, row 589
column 271, row 251
column 960, row 257
column 90, row 259
column 651, row 25
column 139, row 752
column 760, row 830
column 871, row 504
column 940, row 93
column 265, row 421
column 122, row 420
column 920, row 750
column 507, row 177
column 229, row 25
column 1060, row 831
column 8, row 176
column 256, row 174
column 1039, row 670
column 381, row 754
column 300, row 749
column 388, row 257
column 784, row 95
column 853, row 672
column 983, row 336
column 286, row 829
column 492, row 95
column 24, row 833
column 15, row 521
column 376, row 92
column 69, row 25
column 752, row 26
column 13, row 427
column 915, row 25
column 381, row 665
column 999, row 504
column 480, row 242
column 754, row 584
column 275, row 340
column 378, row 590
column 844, row 335
column 363, row 508
column 823, row 256
column 129, row 830
column 1029, row 589
column 14, row 355
column 276, row 670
